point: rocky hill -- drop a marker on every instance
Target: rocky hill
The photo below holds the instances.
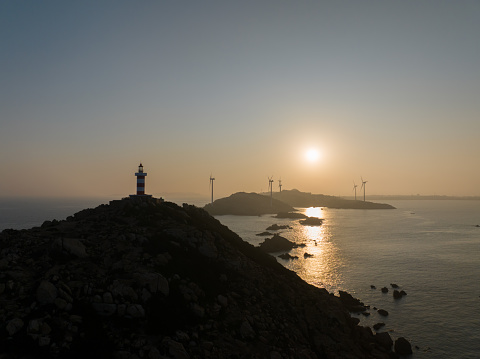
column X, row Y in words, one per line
column 246, row 204
column 140, row 278
column 297, row 198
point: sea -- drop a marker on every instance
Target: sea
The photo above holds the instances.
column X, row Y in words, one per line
column 429, row 248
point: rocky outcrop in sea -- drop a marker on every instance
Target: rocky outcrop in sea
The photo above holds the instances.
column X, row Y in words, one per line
column 139, row 278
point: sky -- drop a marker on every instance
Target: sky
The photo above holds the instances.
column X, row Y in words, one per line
column 387, row 91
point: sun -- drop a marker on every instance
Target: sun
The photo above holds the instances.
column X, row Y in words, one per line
column 312, row 155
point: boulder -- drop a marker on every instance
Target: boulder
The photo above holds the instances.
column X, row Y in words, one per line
column 402, row 346
column 276, row 244
column 46, row 293
column 312, row 221
column 246, row 330
column 72, row 246
column 154, row 282
column 384, row 340
column 135, row 311
column 377, row 326
column 14, row 326
column 104, row 309
column 398, row 294
column 382, row 312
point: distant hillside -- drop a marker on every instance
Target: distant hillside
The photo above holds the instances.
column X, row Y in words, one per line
column 246, row 204
column 296, row 198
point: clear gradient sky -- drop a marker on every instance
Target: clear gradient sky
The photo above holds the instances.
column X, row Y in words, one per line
column 387, row 90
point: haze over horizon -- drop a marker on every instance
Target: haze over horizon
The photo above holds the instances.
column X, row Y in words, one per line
column 318, row 94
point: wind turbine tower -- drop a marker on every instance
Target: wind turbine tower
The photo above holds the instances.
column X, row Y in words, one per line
column 270, row 187
column 211, row 185
column 363, row 185
column 355, row 189
column 280, row 185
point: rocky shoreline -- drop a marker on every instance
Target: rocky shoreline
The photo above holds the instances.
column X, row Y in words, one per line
column 140, row 278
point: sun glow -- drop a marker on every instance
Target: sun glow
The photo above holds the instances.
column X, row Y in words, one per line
column 312, row 155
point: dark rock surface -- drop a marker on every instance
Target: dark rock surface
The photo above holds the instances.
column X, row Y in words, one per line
column 154, row 280
column 276, row 227
column 382, row 312
column 403, row 346
column 384, row 340
column 276, row 244
column 352, row 304
column 312, row 221
column 287, row 256
column 398, row 294
column 247, row 204
column 291, row 215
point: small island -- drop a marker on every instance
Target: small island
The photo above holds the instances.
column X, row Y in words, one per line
column 296, row 198
column 282, row 204
column 247, row 204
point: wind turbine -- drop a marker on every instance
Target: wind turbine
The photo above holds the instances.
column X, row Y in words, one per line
column 280, row 184
column 270, row 187
column 211, row 184
column 363, row 186
column 355, row 189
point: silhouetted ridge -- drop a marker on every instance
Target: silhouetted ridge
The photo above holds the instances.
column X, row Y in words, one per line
column 247, row 204
column 297, row 198
column 140, row 278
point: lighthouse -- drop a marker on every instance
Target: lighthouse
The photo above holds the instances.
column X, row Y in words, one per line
column 140, row 181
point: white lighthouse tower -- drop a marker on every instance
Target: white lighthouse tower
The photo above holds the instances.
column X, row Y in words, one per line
column 140, row 181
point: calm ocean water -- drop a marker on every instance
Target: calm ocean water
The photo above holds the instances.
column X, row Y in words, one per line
column 431, row 249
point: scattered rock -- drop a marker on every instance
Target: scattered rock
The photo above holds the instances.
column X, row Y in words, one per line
column 403, row 346
column 384, row 290
column 276, row 227
column 287, row 256
column 377, row 326
column 398, row 294
column 393, row 285
column 382, row 312
column 312, row 221
column 373, row 287
column 276, row 244
column 307, row 255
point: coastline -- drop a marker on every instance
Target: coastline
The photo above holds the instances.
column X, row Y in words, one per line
column 112, row 241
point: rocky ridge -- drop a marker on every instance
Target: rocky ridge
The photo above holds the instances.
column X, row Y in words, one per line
column 139, row 278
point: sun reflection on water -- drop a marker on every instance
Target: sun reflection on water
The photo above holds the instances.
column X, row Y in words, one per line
column 322, row 269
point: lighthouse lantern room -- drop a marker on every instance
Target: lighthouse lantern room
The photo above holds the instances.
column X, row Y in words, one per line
column 140, row 180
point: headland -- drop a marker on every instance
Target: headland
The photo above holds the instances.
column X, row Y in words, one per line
column 143, row 278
